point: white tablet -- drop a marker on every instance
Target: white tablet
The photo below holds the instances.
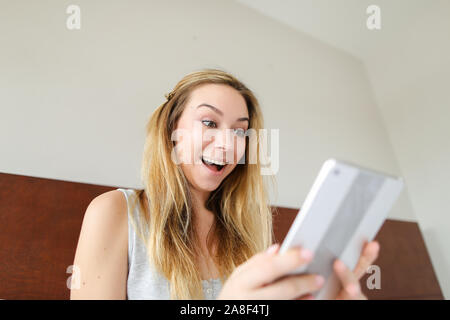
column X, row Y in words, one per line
column 345, row 207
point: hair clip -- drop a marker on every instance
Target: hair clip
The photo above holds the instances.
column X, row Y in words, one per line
column 169, row 95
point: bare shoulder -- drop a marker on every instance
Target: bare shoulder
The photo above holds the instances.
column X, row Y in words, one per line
column 107, row 211
column 101, row 254
column 114, row 201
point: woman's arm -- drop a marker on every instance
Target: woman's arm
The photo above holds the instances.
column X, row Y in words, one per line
column 101, row 258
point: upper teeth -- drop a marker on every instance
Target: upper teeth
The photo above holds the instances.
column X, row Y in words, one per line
column 214, row 161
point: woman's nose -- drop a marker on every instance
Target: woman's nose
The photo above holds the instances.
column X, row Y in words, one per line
column 223, row 139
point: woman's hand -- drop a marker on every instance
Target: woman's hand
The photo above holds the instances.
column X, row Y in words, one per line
column 264, row 276
column 351, row 288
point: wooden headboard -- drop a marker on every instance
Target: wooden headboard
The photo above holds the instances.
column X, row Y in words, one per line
column 40, row 221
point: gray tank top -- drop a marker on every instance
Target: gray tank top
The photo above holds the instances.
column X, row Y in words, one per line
column 144, row 282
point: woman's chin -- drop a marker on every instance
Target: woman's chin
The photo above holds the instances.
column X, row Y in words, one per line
column 208, row 186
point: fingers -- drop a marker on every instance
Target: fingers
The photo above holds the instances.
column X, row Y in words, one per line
column 368, row 256
column 272, row 266
column 291, row 287
column 350, row 283
column 271, row 251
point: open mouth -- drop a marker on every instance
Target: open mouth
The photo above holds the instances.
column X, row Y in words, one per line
column 213, row 166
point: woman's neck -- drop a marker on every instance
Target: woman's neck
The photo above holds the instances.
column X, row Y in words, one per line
column 199, row 198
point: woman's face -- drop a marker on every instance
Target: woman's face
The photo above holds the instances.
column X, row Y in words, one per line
column 212, row 127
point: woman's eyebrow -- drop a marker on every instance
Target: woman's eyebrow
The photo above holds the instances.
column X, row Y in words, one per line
column 220, row 112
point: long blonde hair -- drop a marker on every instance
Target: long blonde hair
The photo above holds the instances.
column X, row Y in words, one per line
column 243, row 215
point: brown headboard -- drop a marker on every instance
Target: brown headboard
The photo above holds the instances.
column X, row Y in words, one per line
column 40, row 221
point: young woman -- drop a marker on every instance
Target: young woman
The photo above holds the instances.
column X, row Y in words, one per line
column 201, row 226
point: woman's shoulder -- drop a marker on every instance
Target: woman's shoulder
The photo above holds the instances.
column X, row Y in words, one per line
column 109, row 207
column 113, row 199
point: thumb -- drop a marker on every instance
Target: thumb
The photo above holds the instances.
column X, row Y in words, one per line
column 273, row 249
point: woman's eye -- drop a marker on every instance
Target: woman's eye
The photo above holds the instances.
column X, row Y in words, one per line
column 240, row 132
column 209, row 123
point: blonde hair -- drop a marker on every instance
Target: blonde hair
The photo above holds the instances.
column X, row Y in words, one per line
column 243, row 216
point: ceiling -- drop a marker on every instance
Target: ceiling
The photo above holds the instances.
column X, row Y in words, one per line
column 342, row 23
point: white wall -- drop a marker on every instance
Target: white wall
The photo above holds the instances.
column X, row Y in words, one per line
column 408, row 63
column 411, row 78
column 74, row 103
